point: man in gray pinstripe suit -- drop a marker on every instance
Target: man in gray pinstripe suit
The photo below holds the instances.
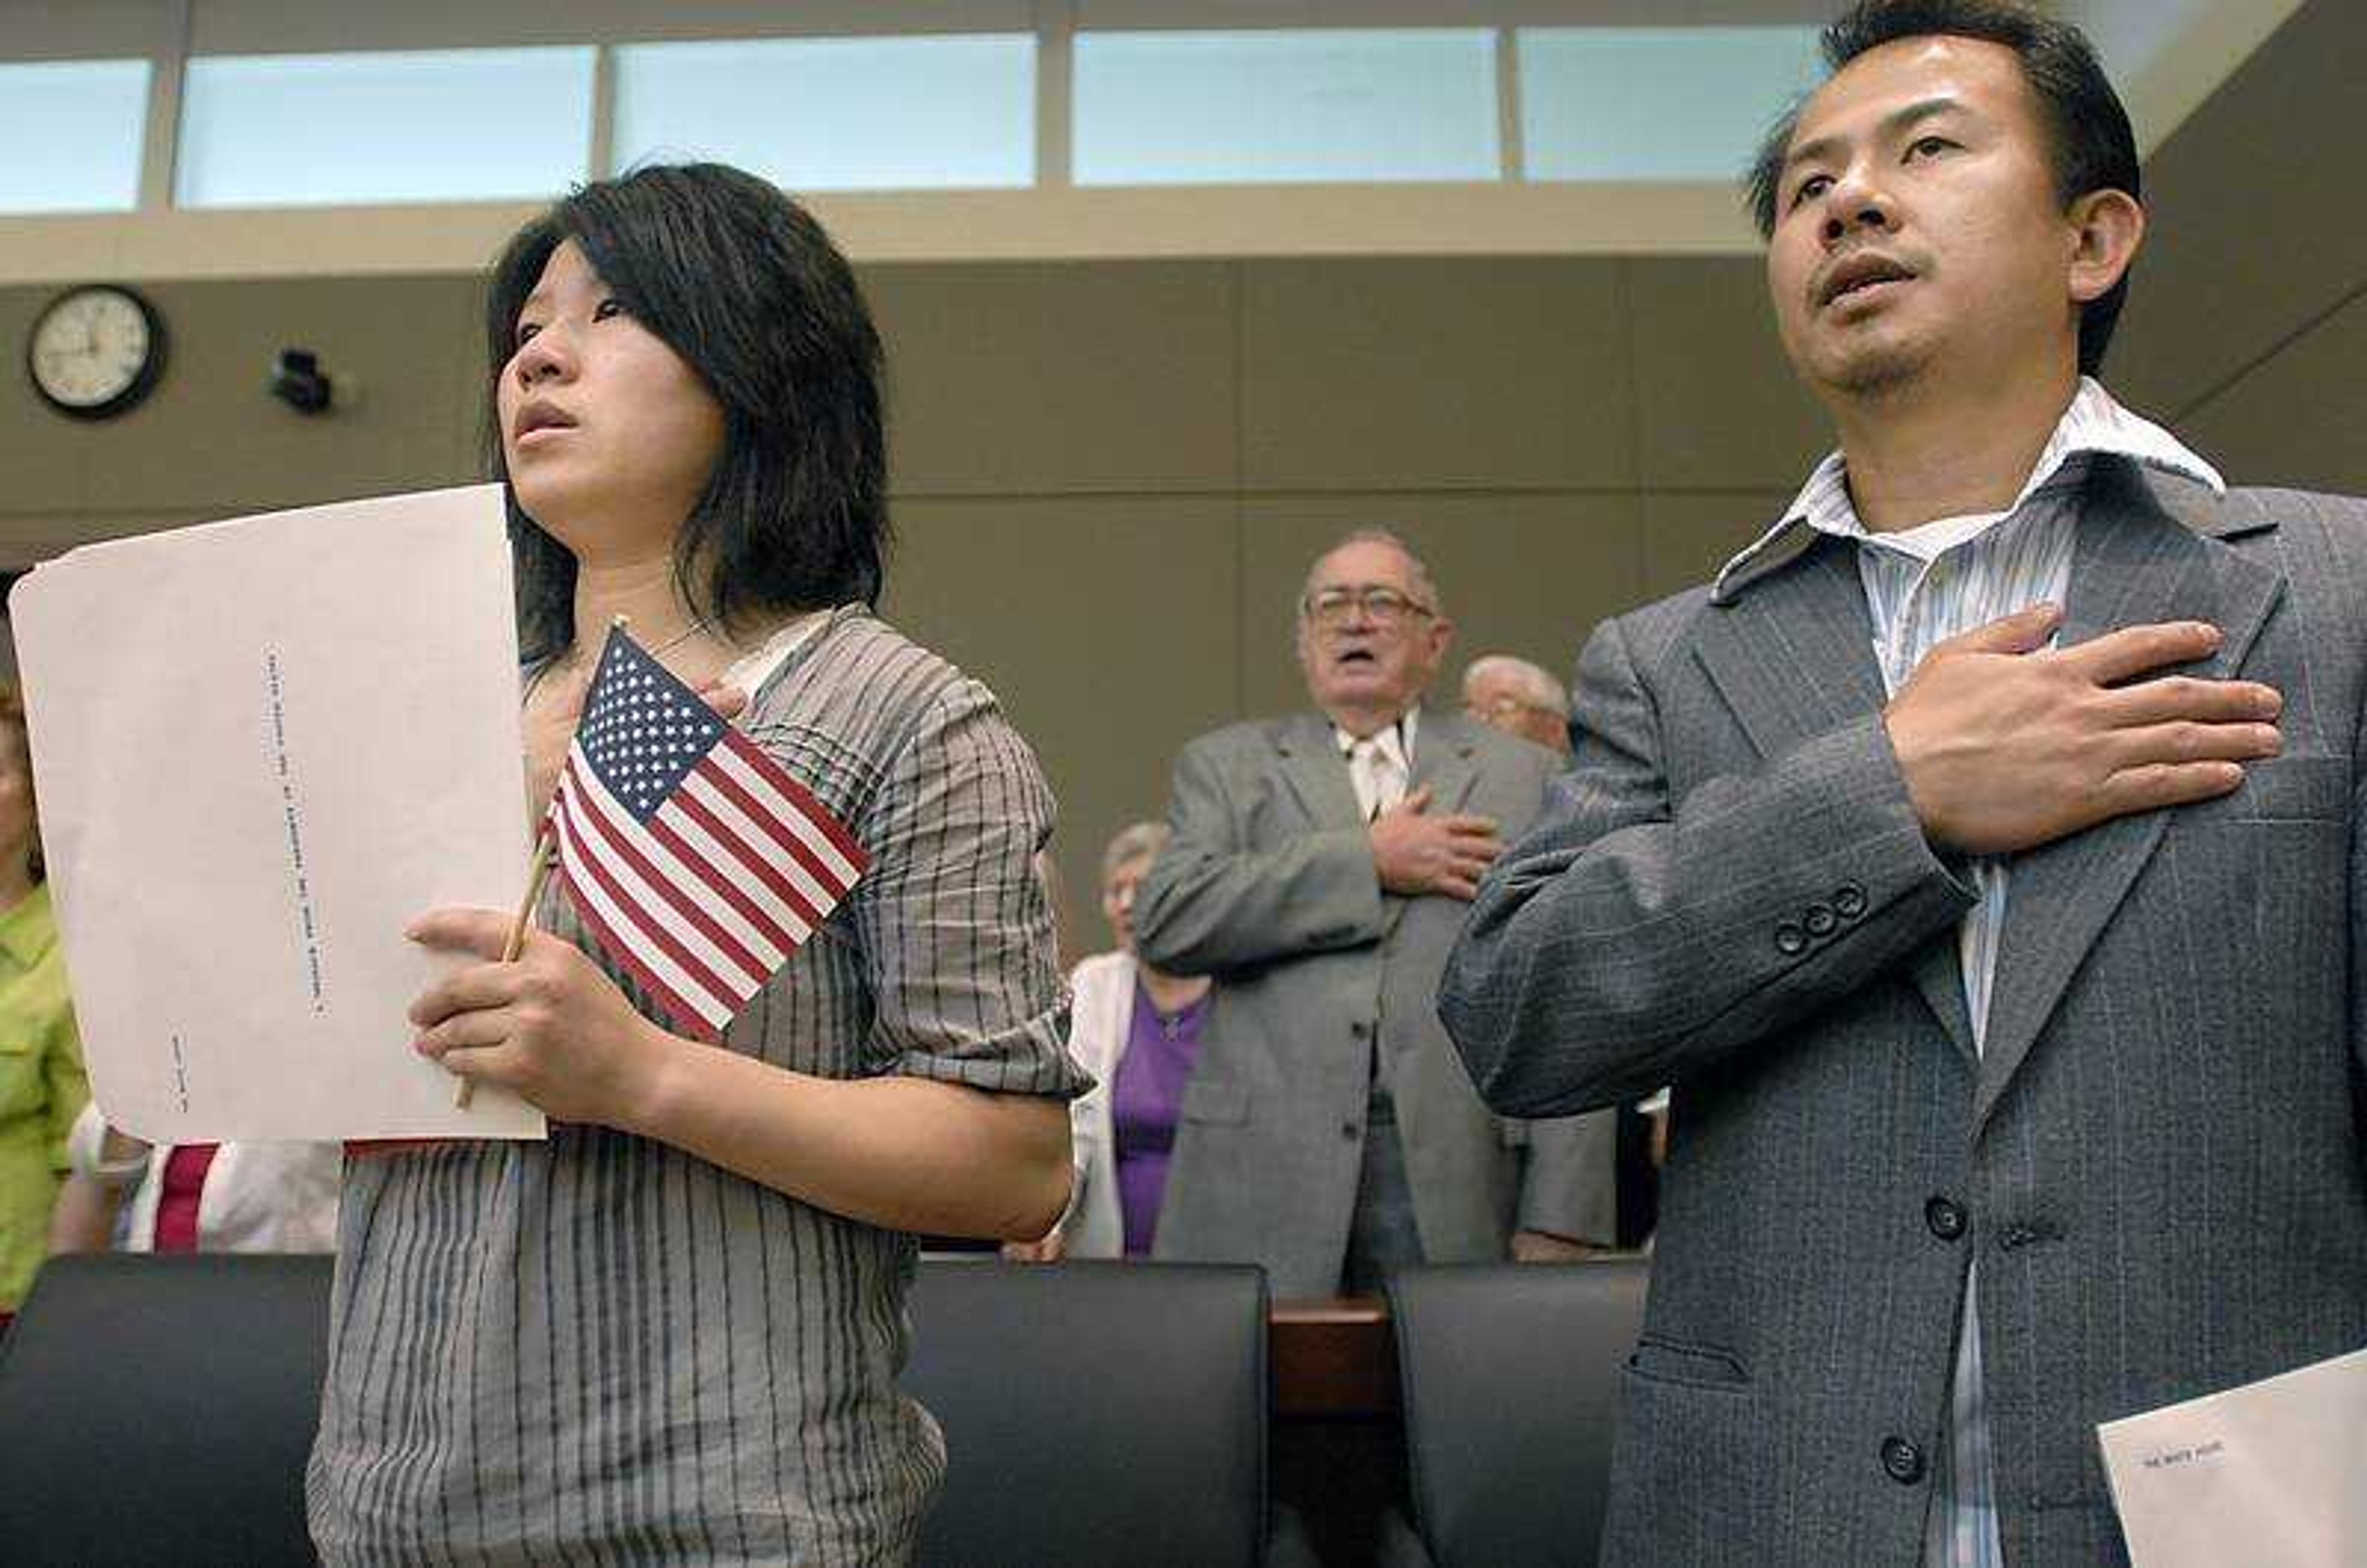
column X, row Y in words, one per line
column 1977, row 857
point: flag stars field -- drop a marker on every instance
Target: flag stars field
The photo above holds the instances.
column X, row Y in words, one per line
column 694, row 859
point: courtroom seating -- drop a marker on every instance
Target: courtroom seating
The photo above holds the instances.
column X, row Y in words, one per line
column 1510, row 1380
column 1093, row 1412
column 159, row 1409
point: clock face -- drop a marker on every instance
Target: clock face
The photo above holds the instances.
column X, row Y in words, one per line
column 96, row 352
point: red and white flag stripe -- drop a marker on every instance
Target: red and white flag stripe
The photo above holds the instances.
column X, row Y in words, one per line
column 662, row 854
column 706, row 898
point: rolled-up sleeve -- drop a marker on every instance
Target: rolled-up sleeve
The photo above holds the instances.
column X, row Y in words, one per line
column 953, row 918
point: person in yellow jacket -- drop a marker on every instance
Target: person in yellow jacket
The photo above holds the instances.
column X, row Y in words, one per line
column 43, row 1089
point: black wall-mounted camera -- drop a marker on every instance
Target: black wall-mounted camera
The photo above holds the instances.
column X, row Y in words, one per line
column 298, row 380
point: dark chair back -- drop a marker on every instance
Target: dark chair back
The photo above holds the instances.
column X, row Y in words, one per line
column 1511, row 1378
column 1093, row 1412
column 164, row 1407
column 160, row 1409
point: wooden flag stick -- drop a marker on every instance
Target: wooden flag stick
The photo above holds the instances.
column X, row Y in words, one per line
column 543, row 844
column 536, row 876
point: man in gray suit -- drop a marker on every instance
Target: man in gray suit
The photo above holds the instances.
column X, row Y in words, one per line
column 1977, row 856
column 1320, row 867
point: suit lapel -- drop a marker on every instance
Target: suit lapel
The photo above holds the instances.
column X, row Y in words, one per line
column 1316, row 772
column 1318, row 775
column 2132, row 565
column 1794, row 658
column 1442, row 744
column 1938, row 972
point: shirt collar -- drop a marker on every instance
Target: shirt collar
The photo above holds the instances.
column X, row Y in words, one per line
column 2094, row 425
column 752, row 669
column 27, row 931
column 1396, row 740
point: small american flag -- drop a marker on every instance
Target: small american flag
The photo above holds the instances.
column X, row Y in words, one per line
column 697, row 861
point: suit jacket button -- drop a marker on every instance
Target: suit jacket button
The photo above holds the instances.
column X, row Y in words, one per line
column 1790, row 939
column 1360, row 1028
column 1349, row 1130
column 1902, row 1460
column 1946, row 1218
column 1849, row 900
column 1820, row 920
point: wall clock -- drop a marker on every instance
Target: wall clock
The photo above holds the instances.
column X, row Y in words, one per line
column 95, row 351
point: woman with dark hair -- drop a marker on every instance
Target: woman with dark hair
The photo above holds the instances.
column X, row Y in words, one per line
column 672, row 1332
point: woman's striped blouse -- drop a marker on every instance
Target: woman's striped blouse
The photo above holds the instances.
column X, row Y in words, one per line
column 602, row 1349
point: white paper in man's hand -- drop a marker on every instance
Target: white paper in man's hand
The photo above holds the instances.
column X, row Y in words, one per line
column 2270, row 1475
column 261, row 749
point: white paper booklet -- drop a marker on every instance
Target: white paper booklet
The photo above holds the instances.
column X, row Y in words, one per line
column 260, row 748
column 2270, row 1475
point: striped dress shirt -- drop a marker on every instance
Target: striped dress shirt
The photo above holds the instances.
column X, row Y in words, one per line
column 1923, row 586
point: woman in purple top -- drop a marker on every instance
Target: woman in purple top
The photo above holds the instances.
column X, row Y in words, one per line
column 1138, row 1030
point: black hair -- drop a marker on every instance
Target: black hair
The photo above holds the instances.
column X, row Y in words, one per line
column 743, row 285
column 2092, row 146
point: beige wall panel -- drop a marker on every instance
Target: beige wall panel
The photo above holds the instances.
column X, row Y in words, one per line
column 27, row 538
column 42, row 459
column 1462, row 13
column 1108, row 627
column 1060, row 378
column 76, row 29
column 2256, row 216
column 2298, row 419
column 230, row 27
column 1717, row 404
column 1687, row 537
column 211, row 439
column 1522, row 574
column 470, row 381
column 1420, row 374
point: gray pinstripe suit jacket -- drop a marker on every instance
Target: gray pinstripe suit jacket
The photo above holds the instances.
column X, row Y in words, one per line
column 2160, row 1153
column 1268, row 884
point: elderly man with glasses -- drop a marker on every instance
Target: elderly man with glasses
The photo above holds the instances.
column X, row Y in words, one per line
column 1519, row 698
column 1320, row 868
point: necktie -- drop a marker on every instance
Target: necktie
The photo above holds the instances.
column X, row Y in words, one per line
column 1379, row 776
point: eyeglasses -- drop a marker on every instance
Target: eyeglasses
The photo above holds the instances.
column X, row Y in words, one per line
column 1382, row 606
column 1505, row 707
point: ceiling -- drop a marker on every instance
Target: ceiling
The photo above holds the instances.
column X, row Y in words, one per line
column 2166, row 55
